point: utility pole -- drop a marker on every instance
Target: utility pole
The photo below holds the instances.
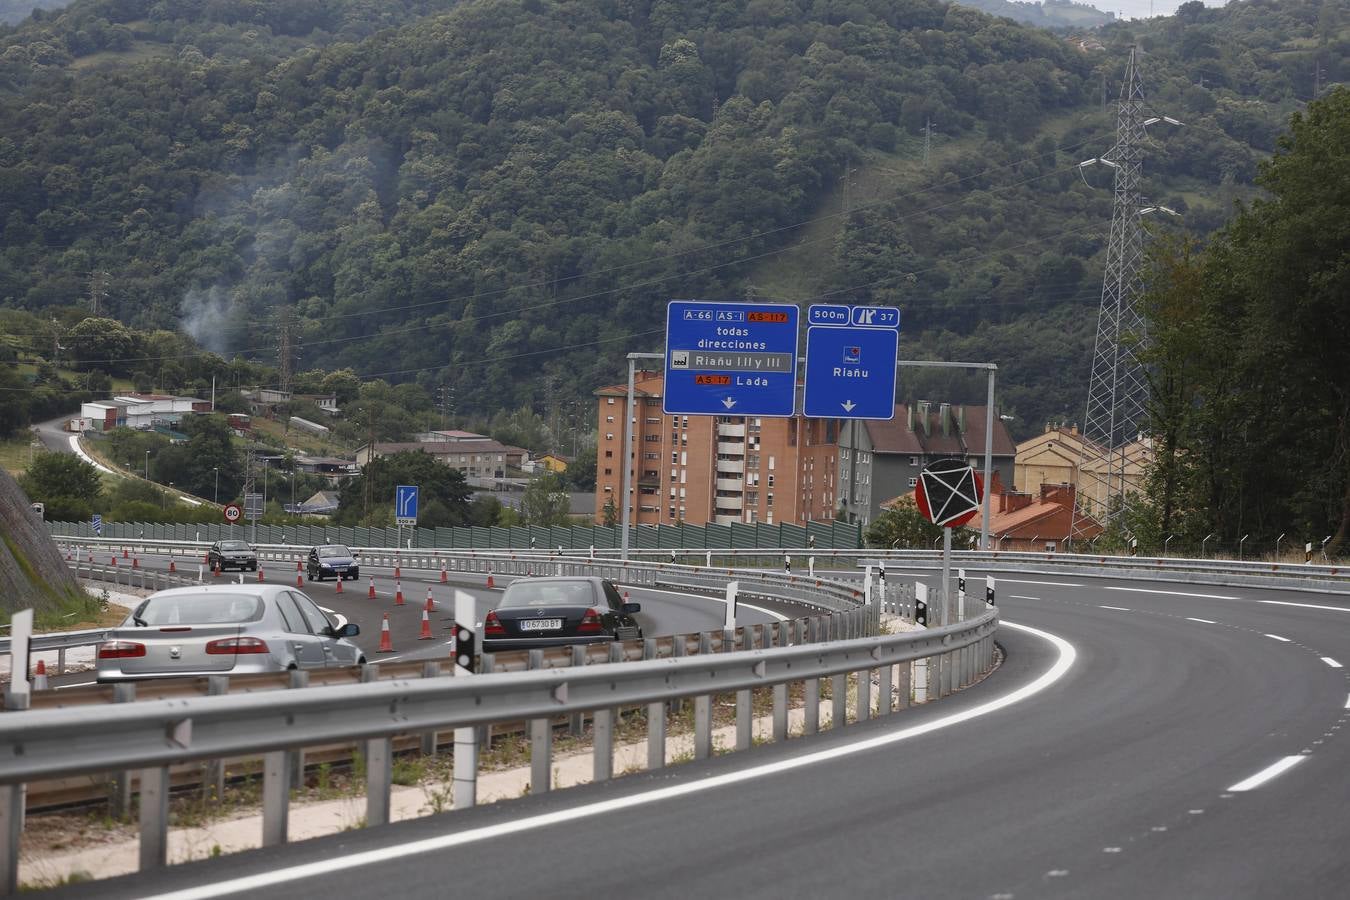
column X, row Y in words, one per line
column 1117, row 388
column 927, row 140
column 248, row 489
column 286, row 346
column 98, row 291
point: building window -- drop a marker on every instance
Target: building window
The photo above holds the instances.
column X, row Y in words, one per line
column 609, row 489
column 609, row 419
column 770, row 463
column 609, row 400
column 653, row 421
column 914, row 482
column 674, row 457
column 672, row 512
column 651, row 456
column 768, row 499
column 913, row 460
column 609, row 471
column 652, row 438
column 770, row 479
column 609, row 435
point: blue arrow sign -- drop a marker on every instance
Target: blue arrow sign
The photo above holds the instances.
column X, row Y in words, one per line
column 97, row 524
column 405, row 504
column 851, row 354
column 730, row 359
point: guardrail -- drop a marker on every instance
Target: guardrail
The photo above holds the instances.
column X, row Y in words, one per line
column 152, row 736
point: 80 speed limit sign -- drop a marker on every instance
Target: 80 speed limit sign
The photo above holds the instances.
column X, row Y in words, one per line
column 233, row 512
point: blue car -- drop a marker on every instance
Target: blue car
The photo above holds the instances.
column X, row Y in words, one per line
column 331, row 561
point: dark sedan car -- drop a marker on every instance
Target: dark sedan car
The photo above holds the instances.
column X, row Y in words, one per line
column 549, row 612
column 232, row 555
column 329, row 561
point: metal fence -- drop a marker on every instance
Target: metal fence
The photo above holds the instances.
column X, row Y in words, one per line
column 825, row 535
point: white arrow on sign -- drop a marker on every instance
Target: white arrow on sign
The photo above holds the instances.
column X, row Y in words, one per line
column 848, row 405
column 728, row 403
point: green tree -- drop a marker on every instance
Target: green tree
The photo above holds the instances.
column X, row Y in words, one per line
column 443, row 491
column 609, row 513
column 55, row 476
column 902, row 526
column 545, row 501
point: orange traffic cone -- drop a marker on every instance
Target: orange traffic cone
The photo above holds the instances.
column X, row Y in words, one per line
column 445, row 578
column 370, row 595
column 112, row 561
column 172, row 567
column 135, row 562
column 398, row 593
column 426, row 627
column 40, row 673
column 339, row 584
column 386, row 645
column 260, row 575
column 124, row 553
column 299, row 580
column 216, row 571
column 298, row 567
column 491, row 583
column 431, row 604
column 397, row 572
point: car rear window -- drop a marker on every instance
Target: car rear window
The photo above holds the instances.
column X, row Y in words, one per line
column 200, row 609
column 334, row 551
column 233, row 545
column 549, row 593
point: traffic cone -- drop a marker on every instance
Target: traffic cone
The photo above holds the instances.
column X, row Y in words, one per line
column 124, row 553
column 386, row 645
column 445, row 578
column 112, row 561
column 172, row 568
column 216, row 570
column 426, row 627
column 339, row 584
column 371, row 593
column 206, row 559
column 260, row 575
column 398, row 593
column 68, row 556
column 491, row 583
column 299, row 580
column 431, row 604
column 298, row 567
column 135, row 562
column 397, row 572
column 40, row 673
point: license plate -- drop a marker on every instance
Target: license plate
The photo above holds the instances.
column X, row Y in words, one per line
column 540, row 624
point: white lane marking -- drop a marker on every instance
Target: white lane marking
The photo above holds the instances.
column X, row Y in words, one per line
column 1331, row 662
column 1206, row 621
column 1347, row 702
column 1267, row 773
column 1276, row 637
column 1170, row 593
column 1050, row 583
column 1305, row 605
column 342, row 620
column 1067, row 655
column 768, row 612
column 1118, row 608
column 1022, row 597
column 75, row 684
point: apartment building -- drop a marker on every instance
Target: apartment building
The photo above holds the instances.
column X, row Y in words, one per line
column 718, row 469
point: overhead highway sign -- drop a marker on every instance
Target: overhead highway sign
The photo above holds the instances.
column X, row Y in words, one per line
column 737, row 359
column 851, row 354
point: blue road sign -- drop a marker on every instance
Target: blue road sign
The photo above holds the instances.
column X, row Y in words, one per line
column 737, row 359
column 97, row 524
column 851, row 353
column 405, row 504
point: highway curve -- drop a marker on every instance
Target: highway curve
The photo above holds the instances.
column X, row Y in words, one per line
column 1122, row 776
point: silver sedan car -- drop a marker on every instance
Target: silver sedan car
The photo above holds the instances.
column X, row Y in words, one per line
column 233, row 629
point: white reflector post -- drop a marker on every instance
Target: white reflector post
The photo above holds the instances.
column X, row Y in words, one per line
column 732, row 588
column 465, row 785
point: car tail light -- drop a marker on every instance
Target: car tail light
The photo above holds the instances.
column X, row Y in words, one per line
column 590, row 623
column 234, row 646
column 120, row 650
column 492, row 626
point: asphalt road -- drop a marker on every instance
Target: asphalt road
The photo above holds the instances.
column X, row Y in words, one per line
column 1122, row 775
column 663, row 612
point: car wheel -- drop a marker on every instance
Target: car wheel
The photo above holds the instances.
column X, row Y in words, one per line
column 253, row 567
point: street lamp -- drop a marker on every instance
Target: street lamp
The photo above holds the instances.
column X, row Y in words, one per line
column 216, row 498
column 1167, row 541
column 147, row 465
column 1202, row 544
column 1244, row 537
column 1277, row 546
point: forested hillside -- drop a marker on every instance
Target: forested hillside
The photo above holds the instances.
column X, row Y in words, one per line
column 502, row 197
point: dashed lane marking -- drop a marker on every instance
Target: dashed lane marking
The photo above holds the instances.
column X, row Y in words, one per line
column 1271, row 771
column 1205, row 621
column 1305, row 605
column 1276, row 637
column 1117, row 608
column 1170, row 593
column 1331, row 662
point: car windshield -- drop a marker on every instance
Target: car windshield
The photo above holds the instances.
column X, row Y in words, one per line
column 200, row 609
column 334, row 551
column 549, row 593
column 234, row 545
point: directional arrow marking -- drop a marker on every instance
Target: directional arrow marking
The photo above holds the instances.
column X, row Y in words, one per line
column 848, row 405
column 729, row 402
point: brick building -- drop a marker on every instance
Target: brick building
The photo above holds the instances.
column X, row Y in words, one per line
column 718, row 469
